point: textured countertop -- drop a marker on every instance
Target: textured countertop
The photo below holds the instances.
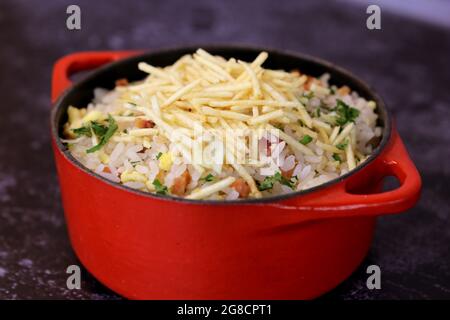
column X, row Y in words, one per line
column 406, row 61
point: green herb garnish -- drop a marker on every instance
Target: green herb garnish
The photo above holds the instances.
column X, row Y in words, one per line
column 271, row 180
column 208, row 178
column 336, row 157
column 345, row 113
column 306, row 139
column 342, row 145
column 99, row 129
column 267, row 183
column 104, row 138
column 159, row 187
column 158, row 155
column 286, row 182
column 83, row 131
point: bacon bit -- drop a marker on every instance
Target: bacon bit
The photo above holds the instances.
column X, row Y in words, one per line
column 180, row 183
column 142, row 123
column 121, row 82
column 143, row 150
column 106, row 170
column 343, row 91
column 241, row 187
column 287, row 174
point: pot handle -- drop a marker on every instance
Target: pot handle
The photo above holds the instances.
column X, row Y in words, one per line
column 69, row 64
column 337, row 201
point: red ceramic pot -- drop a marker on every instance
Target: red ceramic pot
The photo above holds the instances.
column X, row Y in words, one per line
column 295, row 246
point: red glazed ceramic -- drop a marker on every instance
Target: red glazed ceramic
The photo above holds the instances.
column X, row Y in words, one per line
column 295, row 246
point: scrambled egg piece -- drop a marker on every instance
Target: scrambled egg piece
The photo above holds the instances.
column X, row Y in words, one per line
column 165, row 161
column 93, row 116
column 128, row 176
column 75, row 114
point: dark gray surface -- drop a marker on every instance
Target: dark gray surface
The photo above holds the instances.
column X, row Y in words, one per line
column 406, row 62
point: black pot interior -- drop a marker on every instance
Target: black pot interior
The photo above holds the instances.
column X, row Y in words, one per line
column 81, row 93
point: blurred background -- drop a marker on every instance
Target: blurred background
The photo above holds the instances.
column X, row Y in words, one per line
column 406, row 62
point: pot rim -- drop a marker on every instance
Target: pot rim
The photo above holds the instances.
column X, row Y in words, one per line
column 381, row 106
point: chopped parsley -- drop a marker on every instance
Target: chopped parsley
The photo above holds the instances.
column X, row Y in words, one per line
column 267, row 183
column 99, row 129
column 103, row 133
column 342, row 145
column 306, row 139
column 336, row 157
column 158, row 155
column 345, row 113
column 86, row 130
column 159, row 187
column 287, row 182
column 83, row 131
column 271, row 180
column 208, row 178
